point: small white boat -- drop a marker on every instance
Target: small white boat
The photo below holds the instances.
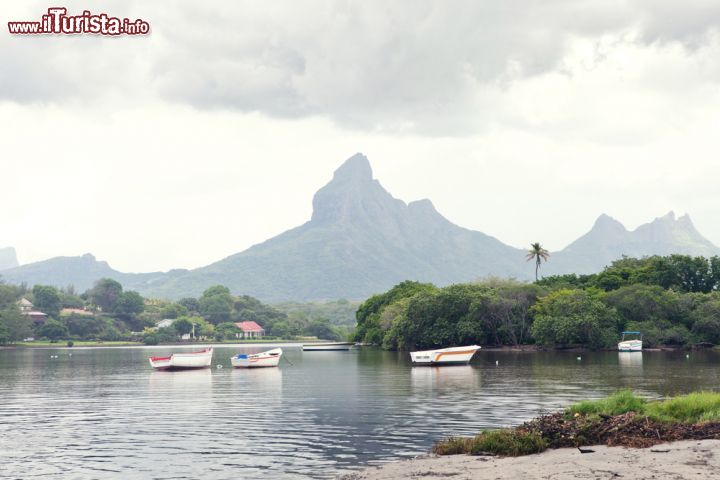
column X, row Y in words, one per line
column 335, row 346
column 632, row 345
column 444, row 356
column 270, row 358
column 181, row 361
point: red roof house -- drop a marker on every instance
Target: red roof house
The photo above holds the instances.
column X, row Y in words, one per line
column 249, row 330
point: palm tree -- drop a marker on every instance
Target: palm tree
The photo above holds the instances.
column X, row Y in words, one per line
column 538, row 253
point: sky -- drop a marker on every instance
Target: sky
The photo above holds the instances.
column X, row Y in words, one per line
column 522, row 119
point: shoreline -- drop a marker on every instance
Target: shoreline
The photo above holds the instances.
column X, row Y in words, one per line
column 685, row 459
column 81, row 344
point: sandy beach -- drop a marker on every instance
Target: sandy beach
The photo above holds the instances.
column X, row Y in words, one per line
column 690, row 459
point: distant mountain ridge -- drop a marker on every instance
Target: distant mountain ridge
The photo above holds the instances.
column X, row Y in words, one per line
column 609, row 239
column 361, row 240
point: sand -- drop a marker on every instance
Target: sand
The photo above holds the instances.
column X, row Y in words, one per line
column 689, row 459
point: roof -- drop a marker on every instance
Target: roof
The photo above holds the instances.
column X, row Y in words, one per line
column 36, row 314
column 25, row 302
column 248, row 327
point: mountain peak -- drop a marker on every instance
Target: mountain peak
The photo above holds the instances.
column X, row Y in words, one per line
column 607, row 225
column 353, row 196
column 667, row 218
column 356, row 167
column 8, row 258
column 606, row 220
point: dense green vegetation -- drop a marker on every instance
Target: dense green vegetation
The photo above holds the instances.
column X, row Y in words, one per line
column 108, row 313
column 672, row 300
column 621, row 419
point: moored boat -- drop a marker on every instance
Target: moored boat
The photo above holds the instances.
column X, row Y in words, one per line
column 334, row 346
column 632, row 345
column 444, row 356
column 270, row 358
column 183, row 360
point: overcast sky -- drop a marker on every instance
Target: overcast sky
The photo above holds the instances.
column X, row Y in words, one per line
column 522, row 119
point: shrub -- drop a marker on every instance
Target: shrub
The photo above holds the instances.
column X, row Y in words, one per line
column 616, row 404
column 692, row 408
column 512, row 443
column 70, row 343
column 453, row 446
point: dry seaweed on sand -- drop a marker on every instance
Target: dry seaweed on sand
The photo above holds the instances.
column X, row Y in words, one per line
column 622, row 419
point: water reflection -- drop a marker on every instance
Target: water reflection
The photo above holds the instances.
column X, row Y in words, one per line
column 461, row 377
column 105, row 413
column 631, row 361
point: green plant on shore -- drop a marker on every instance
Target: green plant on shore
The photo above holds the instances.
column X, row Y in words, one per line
column 453, row 446
column 698, row 407
column 695, row 415
column 692, row 408
column 511, row 443
column 616, row 404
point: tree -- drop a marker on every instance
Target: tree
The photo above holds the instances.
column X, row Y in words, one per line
column 321, row 328
column 203, row 329
column 706, row 326
column 183, row 326
column 53, row 329
column 129, row 304
column 538, row 253
column 8, row 296
column 85, row 326
column 191, row 304
column 14, row 326
column 216, row 290
column 216, row 308
column 173, row 310
column 47, row 299
column 574, row 317
column 105, row 294
column 226, row 330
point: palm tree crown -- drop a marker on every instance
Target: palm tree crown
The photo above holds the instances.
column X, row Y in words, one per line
column 538, row 253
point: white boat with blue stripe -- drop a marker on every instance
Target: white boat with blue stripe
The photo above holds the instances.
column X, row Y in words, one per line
column 269, row 358
column 632, row 344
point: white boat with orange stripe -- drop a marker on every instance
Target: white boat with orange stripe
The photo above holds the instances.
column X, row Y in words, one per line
column 184, row 360
column 270, row 358
column 444, row 356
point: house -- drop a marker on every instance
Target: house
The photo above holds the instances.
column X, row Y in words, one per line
column 249, row 330
column 165, row 322
column 25, row 305
column 26, row 308
column 38, row 318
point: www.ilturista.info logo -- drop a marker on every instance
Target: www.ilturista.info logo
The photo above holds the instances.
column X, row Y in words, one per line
column 57, row 21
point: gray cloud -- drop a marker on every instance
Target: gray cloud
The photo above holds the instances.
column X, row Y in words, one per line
column 423, row 66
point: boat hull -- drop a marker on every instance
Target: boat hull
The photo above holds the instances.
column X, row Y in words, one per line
column 183, row 361
column 271, row 358
column 630, row 346
column 319, row 347
column 445, row 356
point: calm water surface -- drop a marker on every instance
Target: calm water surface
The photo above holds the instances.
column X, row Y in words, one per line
column 104, row 413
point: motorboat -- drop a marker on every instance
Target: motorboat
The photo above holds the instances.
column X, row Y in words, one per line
column 269, row 358
column 631, row 345
column 444, row 356
column 334, row 346
column 183, row 360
